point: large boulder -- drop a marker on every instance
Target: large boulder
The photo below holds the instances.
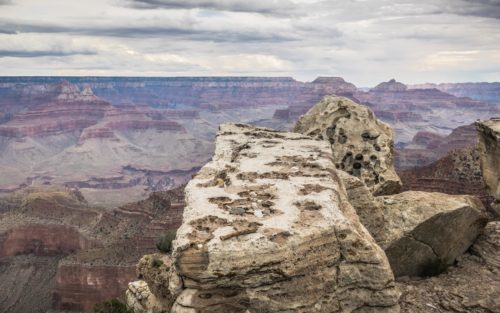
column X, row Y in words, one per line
column 361, row 144
column 489, row 149
column 425, row 232
column 267, row 228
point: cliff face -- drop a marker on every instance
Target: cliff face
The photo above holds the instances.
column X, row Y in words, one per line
column 489, row 149
column 68, row 136
column 88, row 132
column 427, row 147
column 458, row 172
column 429, row 110
column 71, row 255
column 489, row 92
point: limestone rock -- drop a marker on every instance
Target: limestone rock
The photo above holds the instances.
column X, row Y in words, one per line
column 141, row 300
column 425, row 232
column 489, row 148
column 362, row 145
column 370, row 209
column 294, row 245
column 487, row 246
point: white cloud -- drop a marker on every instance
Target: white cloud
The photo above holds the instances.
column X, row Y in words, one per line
column 364, row 41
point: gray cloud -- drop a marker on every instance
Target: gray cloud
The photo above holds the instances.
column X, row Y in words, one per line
column 255, row 6
column 5, row 2
column 442, row 40
column 480, row 8
column 42, row 53
column 185, row 32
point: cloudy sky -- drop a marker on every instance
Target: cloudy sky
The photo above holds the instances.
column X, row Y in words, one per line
column 364, row 41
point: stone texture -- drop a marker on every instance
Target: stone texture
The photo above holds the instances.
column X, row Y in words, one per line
column 370, row 209
column 362, row 145
column 298, row 246
column 426, row 232
column 489, row 149
column 487, row 246
column 458, row 173
column 141, row 300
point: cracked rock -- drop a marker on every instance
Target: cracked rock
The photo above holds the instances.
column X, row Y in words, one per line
column 426, row 231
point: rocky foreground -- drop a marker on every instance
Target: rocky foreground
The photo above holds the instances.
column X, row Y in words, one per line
column 275, row 223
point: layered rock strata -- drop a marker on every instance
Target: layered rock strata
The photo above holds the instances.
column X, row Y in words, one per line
column 489, row 149
column 267, row 228
column 362, row 145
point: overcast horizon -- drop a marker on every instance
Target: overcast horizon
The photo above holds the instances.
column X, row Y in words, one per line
column 363, row 41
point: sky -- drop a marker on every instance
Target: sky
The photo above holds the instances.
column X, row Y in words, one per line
column 363, row 41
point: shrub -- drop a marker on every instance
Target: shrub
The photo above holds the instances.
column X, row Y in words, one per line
column 164, row 243
column 156, row 262
column 112, row 306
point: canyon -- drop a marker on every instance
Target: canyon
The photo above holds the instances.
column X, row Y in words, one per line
column 59, row 253
column 77, row 155
column 270, row 193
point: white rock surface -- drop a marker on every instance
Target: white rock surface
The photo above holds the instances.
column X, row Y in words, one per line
column 361, row 144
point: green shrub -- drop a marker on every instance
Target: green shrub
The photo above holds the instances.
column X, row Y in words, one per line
column 112, row 306
column 156, row 262
column 164, row 243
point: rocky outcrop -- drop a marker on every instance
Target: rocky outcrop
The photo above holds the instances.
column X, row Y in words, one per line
column 457, row 173
column 267, row 228
column 42, row 240
column 426, row 232
column 489, row 149
column 72, row 255
column 78, row 287
column 362, row 145
column 427, row 147
column 390, row 86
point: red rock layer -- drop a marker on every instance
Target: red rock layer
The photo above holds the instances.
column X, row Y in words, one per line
column 427, row 147
column 42, row 240
column 97, row 275
column 456, row 173
column 79, row 287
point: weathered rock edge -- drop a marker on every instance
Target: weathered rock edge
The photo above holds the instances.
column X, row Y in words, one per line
column 267, row 228
column 361, row 144
column 489, row 150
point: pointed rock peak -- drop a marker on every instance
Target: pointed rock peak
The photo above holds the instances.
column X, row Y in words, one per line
column 65, row 87
column 87, row 91
column 392, row 86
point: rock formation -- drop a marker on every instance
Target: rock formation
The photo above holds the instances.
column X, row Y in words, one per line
column 268, row 228
column 417, row 230
column 425, row 232
column 427, row 147
column 457, row 173
column 57, row 252
column 489, row 92
column 392, row 86
column 362, row 145
column 489, row 149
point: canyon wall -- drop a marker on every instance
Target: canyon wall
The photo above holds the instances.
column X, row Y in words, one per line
column 68, row 255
